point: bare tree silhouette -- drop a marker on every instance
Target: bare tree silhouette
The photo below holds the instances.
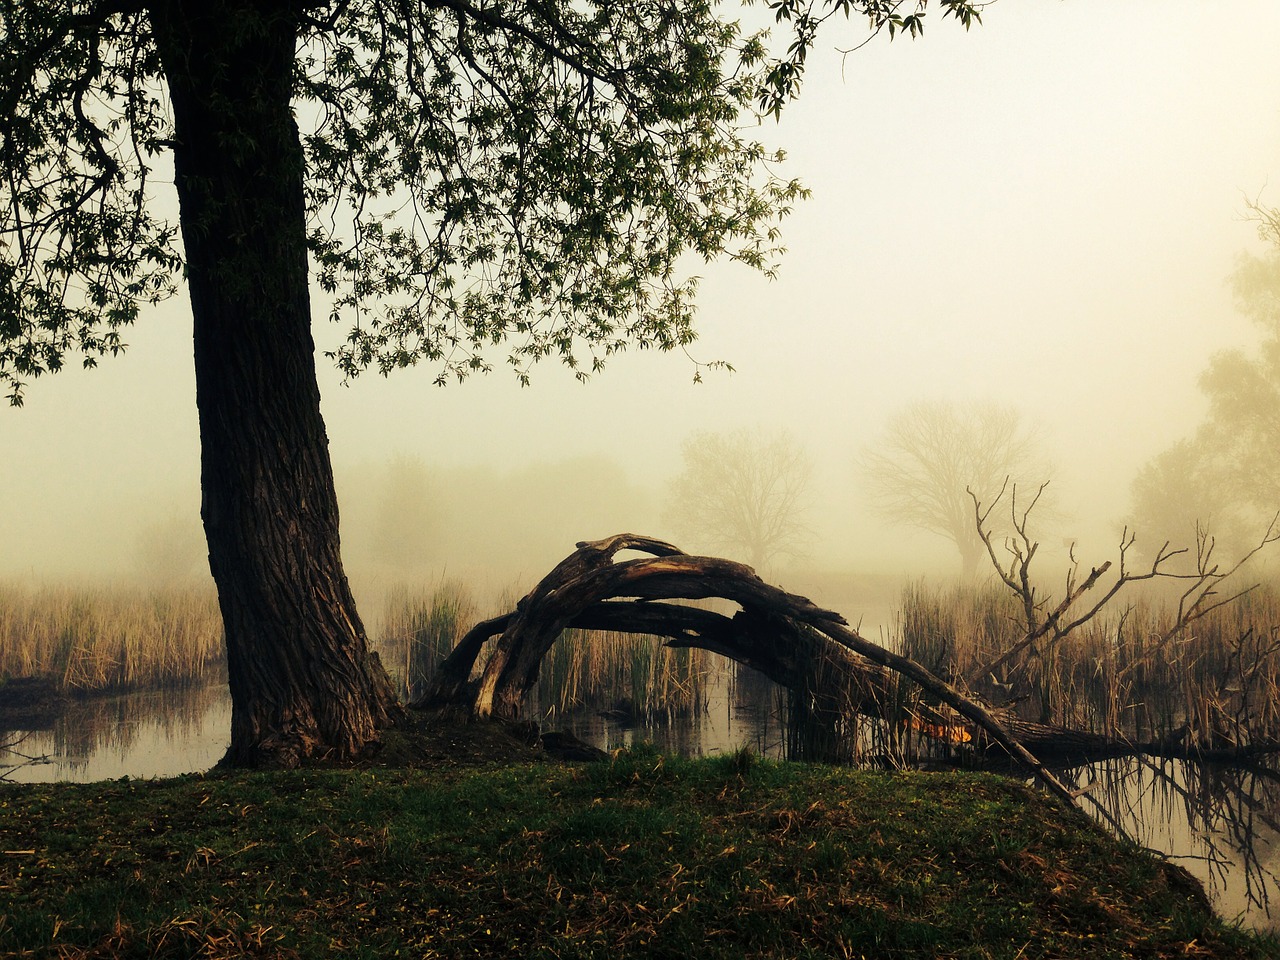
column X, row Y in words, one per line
column 743, row 493
column 932, row 452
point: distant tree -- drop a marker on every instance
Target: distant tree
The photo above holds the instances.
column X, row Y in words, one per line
column 1226, row 477
column 1183, row 492
column 743, row 493
column 404, row 518
column 932, row 454
column 453, row 176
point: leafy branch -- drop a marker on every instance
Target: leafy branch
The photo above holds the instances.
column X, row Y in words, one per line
column 806, row 17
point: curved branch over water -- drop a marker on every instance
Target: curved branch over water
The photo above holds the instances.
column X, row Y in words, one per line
column 590, row 589
column 811, row 651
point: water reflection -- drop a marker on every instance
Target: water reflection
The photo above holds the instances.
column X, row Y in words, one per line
column 1221, row 823
column 158, row 733
column 740, row 708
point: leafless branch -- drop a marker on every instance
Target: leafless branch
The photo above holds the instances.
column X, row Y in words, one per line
column 1199, row 599
column 8, row 746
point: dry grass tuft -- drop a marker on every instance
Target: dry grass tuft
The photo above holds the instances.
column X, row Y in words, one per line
column 1216, row 681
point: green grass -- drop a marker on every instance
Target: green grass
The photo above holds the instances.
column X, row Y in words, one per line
column 643, row 856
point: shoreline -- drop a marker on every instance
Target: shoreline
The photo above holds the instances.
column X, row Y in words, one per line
column 641, row 855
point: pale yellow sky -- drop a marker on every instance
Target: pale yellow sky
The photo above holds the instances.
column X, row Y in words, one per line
column 1042, row 211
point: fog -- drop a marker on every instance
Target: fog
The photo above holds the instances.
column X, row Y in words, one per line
column 1042, row 213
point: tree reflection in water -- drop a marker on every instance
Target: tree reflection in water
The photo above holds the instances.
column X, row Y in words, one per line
column 1221, row 823
column 155, row 733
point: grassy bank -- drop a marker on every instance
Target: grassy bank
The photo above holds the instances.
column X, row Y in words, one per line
column 644, row 856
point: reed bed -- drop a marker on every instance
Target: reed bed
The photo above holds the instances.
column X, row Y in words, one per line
column 605, row 671
column 1126, row 673
column 419, row 628
column 86, row 639
column 631, row 675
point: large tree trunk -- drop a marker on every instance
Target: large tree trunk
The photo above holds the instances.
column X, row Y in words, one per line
column 971, row 553
column 303, row 682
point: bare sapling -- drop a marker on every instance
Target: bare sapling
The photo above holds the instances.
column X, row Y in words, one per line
column 1045, row 626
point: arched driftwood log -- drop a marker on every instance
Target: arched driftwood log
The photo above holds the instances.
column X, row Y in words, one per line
column 774, row 632
column 777, row 633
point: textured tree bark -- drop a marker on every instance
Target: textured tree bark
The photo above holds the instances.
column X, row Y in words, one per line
column 303, row 682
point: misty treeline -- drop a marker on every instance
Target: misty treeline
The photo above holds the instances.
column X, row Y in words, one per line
column 750, row 493
column 1223, row 479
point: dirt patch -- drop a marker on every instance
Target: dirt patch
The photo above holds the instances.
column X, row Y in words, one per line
column 446, row 738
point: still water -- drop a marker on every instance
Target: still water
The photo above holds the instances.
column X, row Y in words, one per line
column 1221, row 823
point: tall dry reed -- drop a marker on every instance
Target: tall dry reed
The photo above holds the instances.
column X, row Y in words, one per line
column 420, row 627
column 597, row 670
column 1128, row 672
column 99, row 638
column 627, row 673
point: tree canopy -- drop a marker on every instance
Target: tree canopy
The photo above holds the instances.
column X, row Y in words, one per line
column 476, row 174
column 473, row 175
column 465, row 183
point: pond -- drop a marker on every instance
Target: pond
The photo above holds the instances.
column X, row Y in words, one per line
column 1221, row 823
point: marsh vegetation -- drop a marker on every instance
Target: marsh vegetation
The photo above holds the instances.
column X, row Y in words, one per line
column 94, row 639
column 1130, row 674
column 1133, row 674
column 626, row 675
column 1125, row 676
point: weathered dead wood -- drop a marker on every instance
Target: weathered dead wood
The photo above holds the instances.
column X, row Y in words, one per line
column 776, row 632
column 781, row 635
column 771, row 627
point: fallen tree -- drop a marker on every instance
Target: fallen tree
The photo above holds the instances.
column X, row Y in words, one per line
column 810, row 651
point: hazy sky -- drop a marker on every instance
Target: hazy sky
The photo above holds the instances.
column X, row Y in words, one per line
column 1042, row 211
